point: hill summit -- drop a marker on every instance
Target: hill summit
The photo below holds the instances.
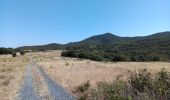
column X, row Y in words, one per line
column 161, row 38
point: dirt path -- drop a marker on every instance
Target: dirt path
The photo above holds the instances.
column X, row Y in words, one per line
column 30, row 91
column 55, row 89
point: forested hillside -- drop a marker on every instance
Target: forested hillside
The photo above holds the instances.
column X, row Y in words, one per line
column 155, row 47
column 52, row 46
column 109, row 47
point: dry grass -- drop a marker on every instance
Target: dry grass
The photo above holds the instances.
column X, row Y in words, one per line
column 71, row 73
column 71, row 76
column 45, row 56
column 11, row 75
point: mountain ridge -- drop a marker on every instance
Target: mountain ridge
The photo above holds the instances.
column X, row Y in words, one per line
column 102, row 39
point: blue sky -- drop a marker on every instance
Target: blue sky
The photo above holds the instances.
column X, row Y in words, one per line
column 33, row 22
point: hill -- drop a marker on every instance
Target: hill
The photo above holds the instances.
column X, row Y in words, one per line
column 52, row 46
column 103, row 39
column 110, row 47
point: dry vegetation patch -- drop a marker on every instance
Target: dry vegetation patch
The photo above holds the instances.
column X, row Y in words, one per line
column 71, row 73
column 11, row 75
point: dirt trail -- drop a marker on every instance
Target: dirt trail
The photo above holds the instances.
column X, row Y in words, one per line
column 28, row 90
column 55, row 89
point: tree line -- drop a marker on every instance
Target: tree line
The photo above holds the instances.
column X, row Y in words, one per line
column 11, row 51
column 119, row 52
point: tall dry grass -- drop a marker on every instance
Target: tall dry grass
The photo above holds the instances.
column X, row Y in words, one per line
column 11, row 75
column 71, row 72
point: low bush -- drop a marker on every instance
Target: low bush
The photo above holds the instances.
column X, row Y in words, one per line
column 67, row 64
column 140, row 85
column 14, row 54
column 22, row 53
column 83, row 88
column 82, row 91
column 141, row 80
column 110, row 91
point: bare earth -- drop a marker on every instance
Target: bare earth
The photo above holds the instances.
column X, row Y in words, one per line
column 39, row 86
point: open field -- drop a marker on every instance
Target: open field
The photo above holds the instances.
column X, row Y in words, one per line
column 71, row 73
column 11, row 75
column 67, row 72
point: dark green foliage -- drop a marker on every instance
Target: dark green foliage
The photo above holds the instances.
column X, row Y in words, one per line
column 83, row 88
column 141, row 80
column 22, row 53
column 82, row 91
column 14, row 54
column 102, row 39
column 111, row 53
column 156, row 87
column 162, row 83
column 53, row 46
column 70, row 53
column 118, row 58
column 11, row 51
column 108, row 47
column 110, row 91
column 83, row 54
column 141, row 85
column 6, row 51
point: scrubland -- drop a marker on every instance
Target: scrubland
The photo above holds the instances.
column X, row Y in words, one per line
column 72, row 73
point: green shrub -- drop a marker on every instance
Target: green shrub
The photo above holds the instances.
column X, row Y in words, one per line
column 70, row 53
column 22, row 53
column 82, row 91
column 14, row 54
column 118, row 58
column 110, row 91
column 83, row 88
column 141, row 80
column 162, row 83
column 140, row 85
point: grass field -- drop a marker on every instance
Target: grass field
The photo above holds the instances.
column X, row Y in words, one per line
column 68, row 72
column 71, row 73
column 11, row 75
